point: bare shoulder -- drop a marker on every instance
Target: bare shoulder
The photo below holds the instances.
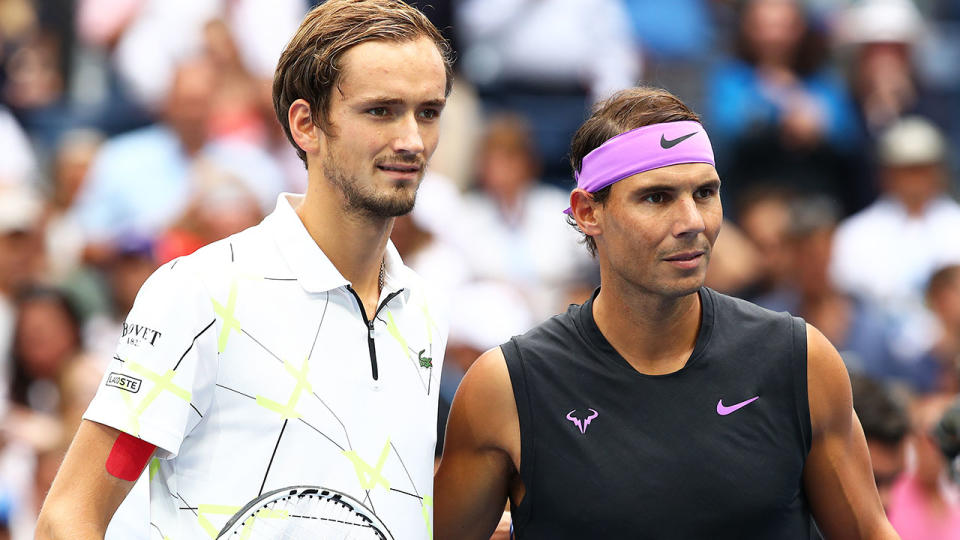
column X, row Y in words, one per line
column 828, row 384
column 486, row 403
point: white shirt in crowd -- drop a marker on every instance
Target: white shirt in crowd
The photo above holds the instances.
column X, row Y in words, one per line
column 567, row 41
column 886, row 256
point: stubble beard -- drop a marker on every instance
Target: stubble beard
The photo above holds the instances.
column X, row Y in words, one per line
column 661, row 284
column 364, row 200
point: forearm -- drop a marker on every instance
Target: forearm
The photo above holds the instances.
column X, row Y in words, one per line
column 62, row 524
column 466, row 509
column 84, row 495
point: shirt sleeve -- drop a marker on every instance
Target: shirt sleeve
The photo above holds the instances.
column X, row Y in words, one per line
column 161, row 379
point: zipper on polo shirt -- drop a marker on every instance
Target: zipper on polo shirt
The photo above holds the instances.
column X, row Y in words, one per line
column 371, row 346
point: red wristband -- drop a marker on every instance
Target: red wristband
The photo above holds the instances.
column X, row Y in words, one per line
column 128, row 457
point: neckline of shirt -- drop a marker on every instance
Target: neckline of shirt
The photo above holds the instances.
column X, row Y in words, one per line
column 310, row 265
column 607, row 352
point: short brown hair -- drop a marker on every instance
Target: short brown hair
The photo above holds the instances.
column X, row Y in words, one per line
column 624, row 111
column 309, row 67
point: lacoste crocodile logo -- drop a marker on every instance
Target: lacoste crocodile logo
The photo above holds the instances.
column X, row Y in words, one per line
column 425, row 361
column 582, row 424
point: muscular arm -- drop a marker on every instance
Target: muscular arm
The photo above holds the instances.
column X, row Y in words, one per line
column 84, row 496
column 837, row 476
column 480, row 451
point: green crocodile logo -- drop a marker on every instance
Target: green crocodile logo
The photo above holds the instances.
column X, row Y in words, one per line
column 425, row 362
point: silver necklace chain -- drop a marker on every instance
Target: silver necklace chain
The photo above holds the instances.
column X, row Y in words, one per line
column 380, row 281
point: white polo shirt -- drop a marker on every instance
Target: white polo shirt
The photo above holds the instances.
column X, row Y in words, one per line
column 251, row 367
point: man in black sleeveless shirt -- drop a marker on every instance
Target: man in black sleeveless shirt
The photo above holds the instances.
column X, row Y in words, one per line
column 659, row 408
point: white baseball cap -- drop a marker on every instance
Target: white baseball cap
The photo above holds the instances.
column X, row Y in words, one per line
column 881, row 21
column 912, row 140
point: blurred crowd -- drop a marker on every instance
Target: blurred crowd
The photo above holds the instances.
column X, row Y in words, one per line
column 134, row 131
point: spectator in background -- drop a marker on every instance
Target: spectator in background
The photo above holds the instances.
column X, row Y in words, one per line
column 18, row 166
column 47, row 337
column 141, row 182
column 765, row 219
column 132, row 263
column 244, row 37
column 422, row 237
column 924, row 505
column 54, row 79
column 883, row 34
column 886, row 253
column 880, row 39
column 735, row 264
column 138, row 182
column 35, row 60
column 855, row 327
column 220, row 204
column 20, row 259
column 943, row 299
column 778, row 113
column 64, row 241
column 512, row 229
column 883, row 416
column 148, row 59
column 548, row 60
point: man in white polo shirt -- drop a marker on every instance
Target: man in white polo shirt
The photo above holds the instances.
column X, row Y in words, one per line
column 301, row 351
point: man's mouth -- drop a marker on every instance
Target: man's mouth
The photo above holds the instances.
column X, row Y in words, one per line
column 399, row 167
column 685, row 256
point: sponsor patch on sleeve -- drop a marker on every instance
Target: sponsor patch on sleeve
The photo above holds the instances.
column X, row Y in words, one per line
column 124, row 382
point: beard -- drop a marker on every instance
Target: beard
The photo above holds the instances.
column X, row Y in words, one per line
column 364, row 199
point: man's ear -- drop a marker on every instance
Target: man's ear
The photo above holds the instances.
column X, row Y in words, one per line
column 305, row 133
column 587, row 212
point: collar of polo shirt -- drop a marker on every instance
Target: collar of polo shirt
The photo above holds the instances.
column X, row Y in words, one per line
column 310, row 265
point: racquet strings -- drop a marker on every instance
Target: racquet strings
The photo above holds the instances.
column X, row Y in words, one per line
column 307, row 517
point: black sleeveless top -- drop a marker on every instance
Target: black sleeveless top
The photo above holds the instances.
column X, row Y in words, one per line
column 715, row 450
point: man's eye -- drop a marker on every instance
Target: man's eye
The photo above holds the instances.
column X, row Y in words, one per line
column 377, row 111
column 706, row 193
column 430, row 114
column 655, row 198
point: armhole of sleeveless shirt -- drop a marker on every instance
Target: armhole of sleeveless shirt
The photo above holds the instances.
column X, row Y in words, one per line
column 799, row 357
column 521, row 398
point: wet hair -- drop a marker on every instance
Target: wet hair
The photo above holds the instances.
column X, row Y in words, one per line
column 310, row 66
column 624, row 111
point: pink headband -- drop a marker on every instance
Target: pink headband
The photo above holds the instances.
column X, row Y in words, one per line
column 643, row 149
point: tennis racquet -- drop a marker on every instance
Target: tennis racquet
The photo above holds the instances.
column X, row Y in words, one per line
column 302, row 513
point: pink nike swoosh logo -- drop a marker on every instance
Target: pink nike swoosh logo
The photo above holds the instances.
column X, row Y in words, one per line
column 723, row 411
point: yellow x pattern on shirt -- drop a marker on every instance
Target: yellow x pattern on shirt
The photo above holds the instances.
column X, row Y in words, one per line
column 161, row 383
column 430, row 323
column 395, row 332
column 288, row 410
column 227, row 313
column 369, row 476
column 427, row 502
column 205, row 510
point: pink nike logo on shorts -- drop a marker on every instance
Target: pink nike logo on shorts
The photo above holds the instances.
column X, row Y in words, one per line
column 723, row 411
